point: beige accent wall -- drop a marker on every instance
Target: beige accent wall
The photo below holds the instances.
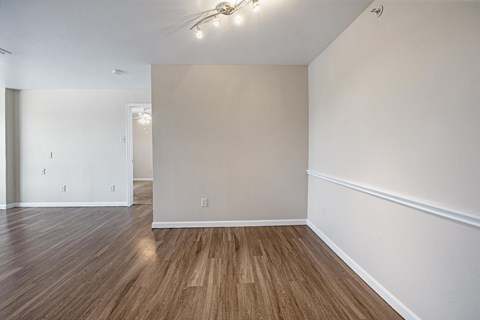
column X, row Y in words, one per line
column 236, row 135
column 395, row 105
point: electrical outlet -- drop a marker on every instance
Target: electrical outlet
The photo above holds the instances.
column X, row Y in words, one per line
column 50, row 155
column 204, row 202
column 123, row 139
column 44, row 172
column 63, row 188
column 112, row 188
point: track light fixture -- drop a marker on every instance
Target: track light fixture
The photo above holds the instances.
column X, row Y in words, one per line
column 226, row 9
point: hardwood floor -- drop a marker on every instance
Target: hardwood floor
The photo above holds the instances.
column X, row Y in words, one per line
column 142, row 192
column 106, row 263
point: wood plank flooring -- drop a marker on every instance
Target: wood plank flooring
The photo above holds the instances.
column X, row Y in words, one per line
column 142, row 192
column 106, row 263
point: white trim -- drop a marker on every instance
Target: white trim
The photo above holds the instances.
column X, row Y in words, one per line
column 7, row 206
column 386, row 295
column 67, row 204
column 221, row 224
column 421, row 205
column 142, row 179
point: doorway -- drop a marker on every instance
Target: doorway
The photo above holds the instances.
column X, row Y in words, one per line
column 140, row 158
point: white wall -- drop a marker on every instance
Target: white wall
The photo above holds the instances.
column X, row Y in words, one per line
column 234, row 134
column 84, row 130
column 142, row 151
column 394, row 105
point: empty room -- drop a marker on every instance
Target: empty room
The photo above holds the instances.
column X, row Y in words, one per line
column 239, row 160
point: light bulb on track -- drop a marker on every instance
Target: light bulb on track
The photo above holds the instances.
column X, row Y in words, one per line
column 199, row 34
column 216, row 22
column 238, row 19
column 256, row 5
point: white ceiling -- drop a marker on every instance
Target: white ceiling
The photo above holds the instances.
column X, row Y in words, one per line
column 75, row 44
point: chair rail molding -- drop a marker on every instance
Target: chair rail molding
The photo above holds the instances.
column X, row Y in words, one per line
column 418, row 204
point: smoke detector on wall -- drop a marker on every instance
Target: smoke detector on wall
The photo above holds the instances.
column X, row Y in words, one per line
column 377, row 11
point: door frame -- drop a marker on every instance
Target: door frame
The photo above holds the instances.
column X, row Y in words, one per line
column 129, row 146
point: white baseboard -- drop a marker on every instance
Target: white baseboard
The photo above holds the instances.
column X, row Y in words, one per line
column 222, row 224
column 7, row 206
column 386, row 295
column 142, row 179
column 67, row 204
